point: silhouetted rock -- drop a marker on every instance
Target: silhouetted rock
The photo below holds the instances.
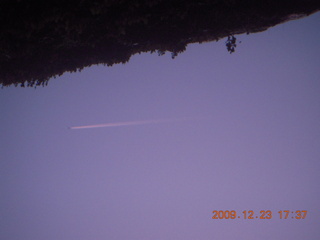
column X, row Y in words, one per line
column 40, row 40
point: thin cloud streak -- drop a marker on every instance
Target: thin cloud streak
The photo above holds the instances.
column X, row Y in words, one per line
column 119, row 124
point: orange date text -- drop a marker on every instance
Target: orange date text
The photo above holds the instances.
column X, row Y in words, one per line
column 263, row 214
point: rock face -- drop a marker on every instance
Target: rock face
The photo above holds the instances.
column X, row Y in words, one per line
column 39, row 41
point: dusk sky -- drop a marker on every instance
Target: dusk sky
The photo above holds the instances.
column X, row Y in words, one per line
column 206, row 131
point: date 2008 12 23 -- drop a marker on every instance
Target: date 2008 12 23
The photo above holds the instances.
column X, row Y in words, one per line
column 263, row 214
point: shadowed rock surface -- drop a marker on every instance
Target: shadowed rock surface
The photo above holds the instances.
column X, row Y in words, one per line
column 45, row 39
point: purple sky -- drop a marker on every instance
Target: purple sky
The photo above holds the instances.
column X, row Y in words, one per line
column 250, row 141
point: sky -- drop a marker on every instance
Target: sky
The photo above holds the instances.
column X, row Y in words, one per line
column 210, row 131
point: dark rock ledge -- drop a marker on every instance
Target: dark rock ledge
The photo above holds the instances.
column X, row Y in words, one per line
column 42, row 39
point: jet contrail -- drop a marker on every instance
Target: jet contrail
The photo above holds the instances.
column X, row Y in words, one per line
column 118, row 124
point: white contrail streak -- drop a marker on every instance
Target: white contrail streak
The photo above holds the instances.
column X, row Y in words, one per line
column 118, row 124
